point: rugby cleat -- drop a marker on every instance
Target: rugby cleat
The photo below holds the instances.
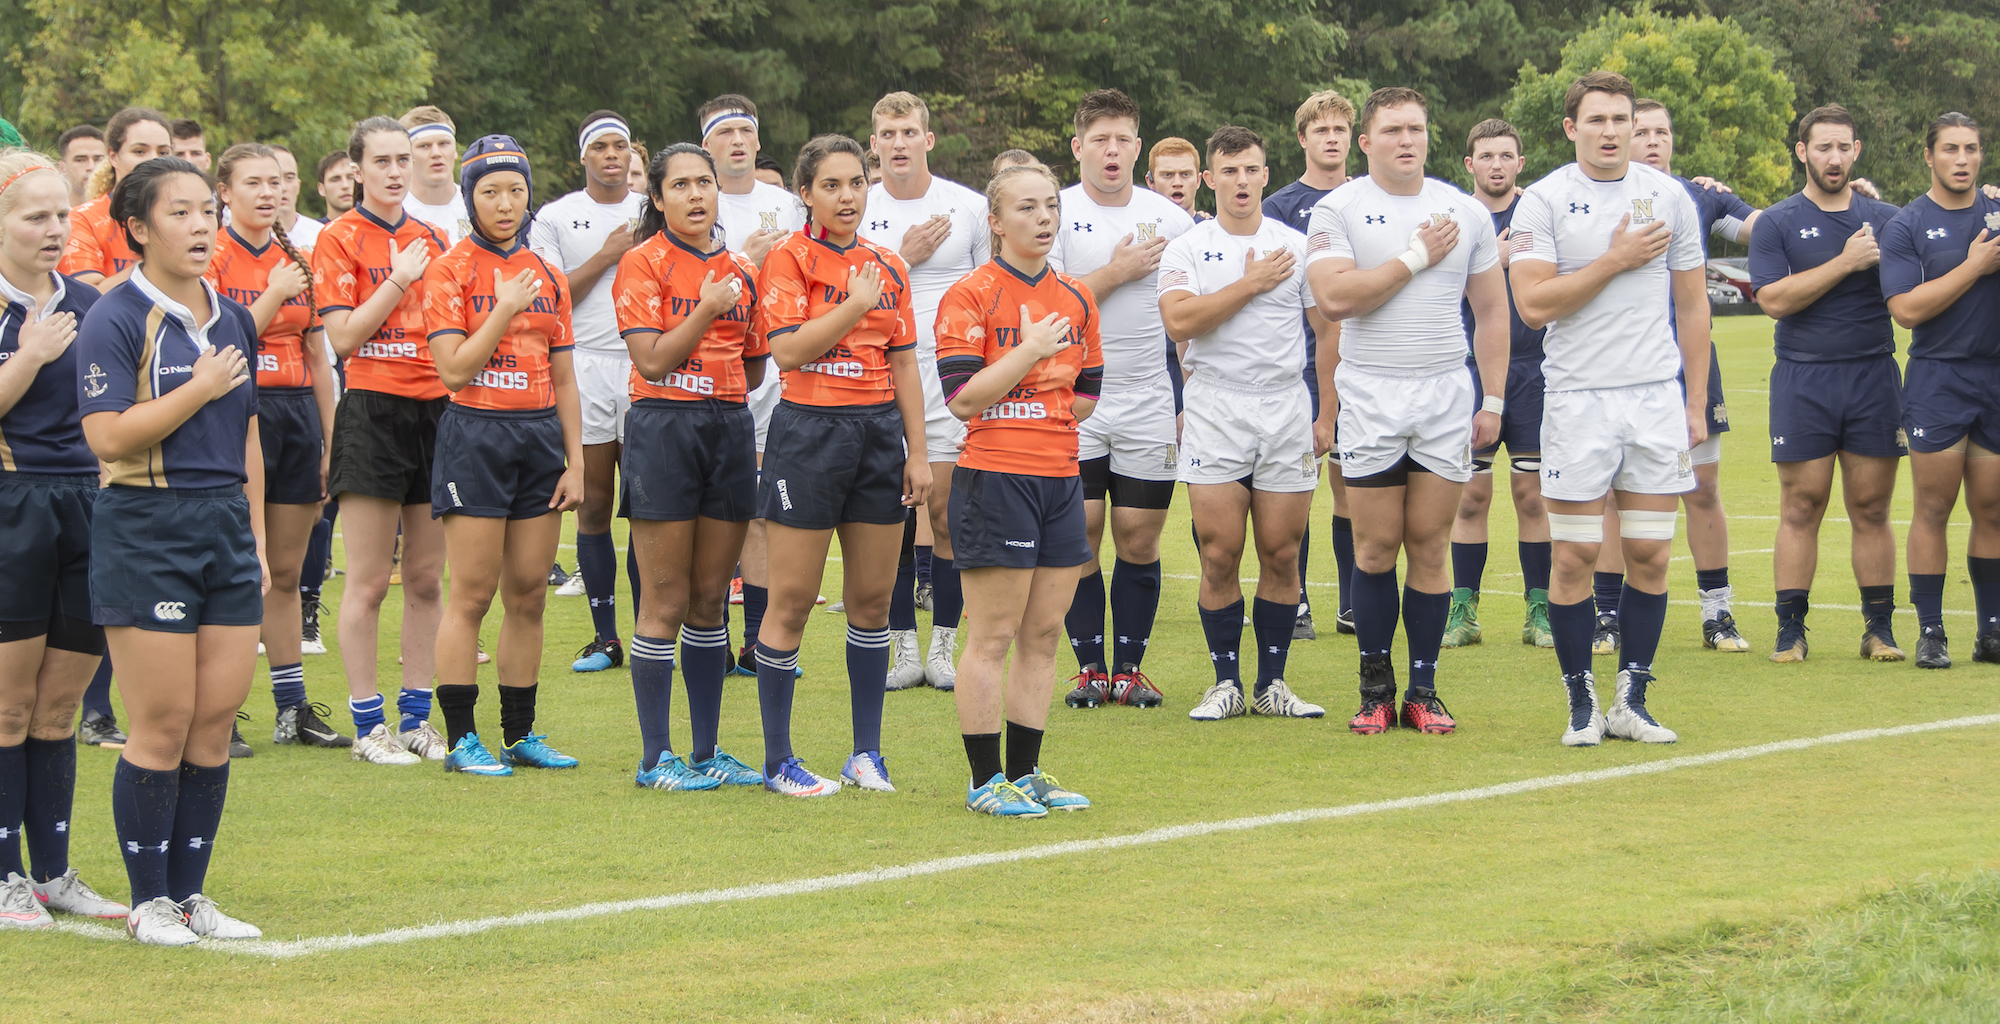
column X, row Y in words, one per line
column 100, row 730
column 207, row 920
column 728, row 770
column 940, row 669
column 1276, row 700
column 310, row 640
column 1628, row 718
column 69, row 894
column 1535, row 630
column 1932, row 649
column 557, row 575
column 868, row 771
column 1002, row 799
column 672, row 774
column 573, row 587
column 1043, row 789
column 1130, row 687
column 1586, row 722
column 238, row 746
column 1378, row 696
column 378, row 747
column 1720, row 634
column 1302, row 629
column 1424, row 712
column 424, row 741
column 746, row 663
column 1343, row 621
column 924, row 595
column 1791, row 646
column 1461, row 624
column 306, row 725
column 1093, row 687
column 472, row 758
column 1223, row 700
column 1605, row 639
column 1986, row 648
column 599, row 655
column 531, row 751
column 19, row 908
column 1878, row 644
column 793, row 778
column 160, row 922
column 906, row 660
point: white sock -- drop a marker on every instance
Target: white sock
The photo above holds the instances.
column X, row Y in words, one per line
column 1715, row 602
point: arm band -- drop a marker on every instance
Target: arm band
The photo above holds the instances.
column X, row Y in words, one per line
column 953, row 373
column 1090, row 383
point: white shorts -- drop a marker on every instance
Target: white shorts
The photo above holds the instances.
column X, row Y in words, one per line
column 1384, row 418
column 1626, row 439
column 942, row 430
column 764, row 401
column 604, row 384
column 1230, row 433
column 1134, row 424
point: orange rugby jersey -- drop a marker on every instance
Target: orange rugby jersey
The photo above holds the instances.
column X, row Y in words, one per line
column 658, row 287
column 804, row 279
column 240, row 271
column 1030, row 430
column 458, row 299
column 350, row 261
column 96, row 242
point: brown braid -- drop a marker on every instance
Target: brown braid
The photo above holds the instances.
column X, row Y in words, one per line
column 285, row 243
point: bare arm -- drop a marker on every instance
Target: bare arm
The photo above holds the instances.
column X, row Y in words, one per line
column 284, row 282
column 460, row 357
column 1542, row 295
column 1343, row 291
column 910, row 404
column 569, row 412
column 1492, row 327
column 253, row 488
column 1794, row 292
column 1188, row 316
column 348, row 329
column 1129, row 263
column 813, row 338
column 114, row 436
column 1691, row 323
column 655, row 354
column 604, row 261
column 1927, row 300
column 1326, row 357
column 323, row 397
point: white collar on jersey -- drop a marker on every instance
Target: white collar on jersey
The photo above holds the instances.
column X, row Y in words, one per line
column 197, row 332
column 27, row 302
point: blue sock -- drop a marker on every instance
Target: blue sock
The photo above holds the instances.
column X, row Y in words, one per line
column 652, row 661
column 755, row 600
column 1878, row 605
column 1468, row 565
column 1423, row 630
column 13, row 808
column 367, row 713
column 415, row 706
column 1607, row 587
column 1343, row 558
column 903, row 599
column 1985, row 574
column 776, row 679
column 947, row 593
column 597, row 563
column 1223, row 629
column 1305, row 552
column 1375, row 608
column 142, row 811
column 1573, row 626
column 1792, row 604
column 97, row 696
column 1272, row 623
column 705, row 660
column 1536, row 557
column 197, row 818
column 1085, row 621
column 1641, row 618
column 1135, row 602
column 1711, row 579
column 867, row 683
column 319, row 547
column 1927, row 594
column 632, row 578
column 51, row 792
column 288, row 685
column 923, row 562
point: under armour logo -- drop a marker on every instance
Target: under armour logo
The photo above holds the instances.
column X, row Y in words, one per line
column 1919, row 432
column 6, row 834
column 579, row 225
column 1808, row 232
column 1222, row 656
column 62, row 826
column 134, row 847
column 1080, row 226
column 1374, row 219
column 1936, row 233
column 878, row 225
column 197, row 842
column 1205, row 257
column 1579, row 207
column 1777, row 440
column 1553, row 474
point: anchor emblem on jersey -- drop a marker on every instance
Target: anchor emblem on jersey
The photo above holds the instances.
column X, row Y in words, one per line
column 93, row 381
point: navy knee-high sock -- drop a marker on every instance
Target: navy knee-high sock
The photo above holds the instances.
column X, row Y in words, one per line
column 1272, row 623
column 1641, row 618
column 1468, row 565
column 1135, row 602
column 1536, row 558
column 1608, row 589
column 143, row 803
column 1572, row 626
column 51, row 793
column 775, row 683
column 947, row 593
column 319, row 547
column 1085, row 621
column 1223, row 629
column 13, row 808
column 97, row 696
column 1927, row 595
column 903, row 599
column 1375, row 608
column 1305, row 556
column 652, row 661
column 597, row 563
column 755, row 600
column 1985, row 574
column 867, row 679
column 922, row 559
column 705, row 659
column 1343, row 559
column 1423, row 629
column 197, row 817
column 631, row 578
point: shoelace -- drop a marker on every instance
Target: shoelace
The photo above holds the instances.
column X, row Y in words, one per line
column 795, row 771
column 874, row 762
column 475, row 752
column 18, row 898
column 1086, row 678
column 319, row 711
column 1008, row 793
column 1635, row 696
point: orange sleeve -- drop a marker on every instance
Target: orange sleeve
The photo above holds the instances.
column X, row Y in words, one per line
column 959, row 331
column 905, row 336
column 82, row 255
column 636, row 293
column 564, row 337
column 335, row 284
column 444, row 301
column 781, row 293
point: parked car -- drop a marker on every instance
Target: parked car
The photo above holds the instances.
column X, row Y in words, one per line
column 1729, row 281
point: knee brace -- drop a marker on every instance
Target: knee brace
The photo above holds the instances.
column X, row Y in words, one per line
column 1481, row 466
column 1576, row 529
column 1528, row 465
column 1640, row 524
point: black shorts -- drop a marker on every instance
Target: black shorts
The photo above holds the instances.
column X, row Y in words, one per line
column 1521, row 420
column 45, row 546
column 1850, row 406
column 1100, row 483
column 1718, row 407
column 688, row 459
column 289, row 429
column 1945, row 402
column 383, row 446
column 497, row 463
column 828, row 465
column 1015, row 521
column 170, row 560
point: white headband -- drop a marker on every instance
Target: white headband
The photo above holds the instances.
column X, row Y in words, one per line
column 435, row 126
column 598, row 129
column 724, row 118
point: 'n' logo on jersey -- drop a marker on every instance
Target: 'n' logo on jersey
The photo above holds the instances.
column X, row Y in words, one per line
column 1642, row 211
column 1145, row 232
column 767, row 220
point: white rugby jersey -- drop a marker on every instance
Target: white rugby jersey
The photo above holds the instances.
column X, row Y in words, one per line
column 887, row 219
column 304, row 232
column 450, row 219
column 763, row 208
column 1263, row 344
column 1622, row 336
column 1135, row 345
column 567, row 233
column 1419, row 331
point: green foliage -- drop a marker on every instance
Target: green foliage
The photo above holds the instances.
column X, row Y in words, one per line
column 1731, row 108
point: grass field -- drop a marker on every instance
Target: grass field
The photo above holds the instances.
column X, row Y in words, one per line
column 1846, row 881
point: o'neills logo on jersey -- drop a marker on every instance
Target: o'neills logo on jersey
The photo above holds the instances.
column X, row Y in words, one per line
column 1642, row 212
column 1145, row 232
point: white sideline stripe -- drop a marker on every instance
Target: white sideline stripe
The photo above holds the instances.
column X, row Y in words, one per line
column 281, row 950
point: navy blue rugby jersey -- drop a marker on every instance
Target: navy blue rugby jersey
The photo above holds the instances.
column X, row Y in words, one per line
column 43, row 432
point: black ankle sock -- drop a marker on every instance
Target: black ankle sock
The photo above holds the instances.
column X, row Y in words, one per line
column 456, row 703
column 982, row 751
column 1024, row 750
column 1927, row 593
column 517, row 712
column 1878, row 605
column 1792, row 604
column 1711, row 579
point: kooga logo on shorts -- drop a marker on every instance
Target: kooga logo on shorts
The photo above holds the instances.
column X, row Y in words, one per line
column 1020, row 544
column 784, row 496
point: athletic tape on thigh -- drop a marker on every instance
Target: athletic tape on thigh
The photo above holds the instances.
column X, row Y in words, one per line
column 1576, row 529
column 1640, row 524
column 1528, row 465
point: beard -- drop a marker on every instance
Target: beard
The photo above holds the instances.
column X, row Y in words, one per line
column 1820, row 181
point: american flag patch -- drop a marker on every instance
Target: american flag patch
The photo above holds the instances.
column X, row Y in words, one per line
column 1320, row 241
column 1520, row 241
column 1174, row 277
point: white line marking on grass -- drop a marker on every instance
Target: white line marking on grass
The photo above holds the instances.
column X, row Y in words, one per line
column 280, row 950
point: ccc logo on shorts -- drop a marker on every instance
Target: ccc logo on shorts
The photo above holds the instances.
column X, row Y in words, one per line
column 170, row 611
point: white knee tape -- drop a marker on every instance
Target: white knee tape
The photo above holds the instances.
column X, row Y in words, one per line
column 1639, row 524
column 1576, row 529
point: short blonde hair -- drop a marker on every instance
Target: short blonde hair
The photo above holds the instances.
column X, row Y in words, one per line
column 426, row 115
column 1172, row 145
column 900, row 104
column 1325, row 103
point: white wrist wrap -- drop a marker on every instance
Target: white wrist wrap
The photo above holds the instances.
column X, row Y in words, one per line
column 1418, row 256
column 1493, row 404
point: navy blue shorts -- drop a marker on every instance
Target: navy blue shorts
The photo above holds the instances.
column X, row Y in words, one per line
column 1521, row 420
column 1015, row 521
column 688, row 459
column 289, row 429
column 169, row 560
column 496, row 463
column 383, row 446
column 1718, row 407
column 1818, row 409
column 45, row 545
column 1944, row 401
column 828, row 465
